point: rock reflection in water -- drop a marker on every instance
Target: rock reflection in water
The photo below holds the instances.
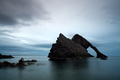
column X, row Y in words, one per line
column 68, row 70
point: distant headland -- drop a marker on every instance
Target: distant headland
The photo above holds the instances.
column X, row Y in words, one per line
column 72, row 49
column 5, row 56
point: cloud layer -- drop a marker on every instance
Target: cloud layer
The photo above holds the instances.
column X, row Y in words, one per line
column 17, row 12
column 33, row 25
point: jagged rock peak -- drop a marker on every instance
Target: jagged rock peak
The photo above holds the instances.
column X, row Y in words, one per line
column 61, row 35
column 77, row 35
column 65, row 48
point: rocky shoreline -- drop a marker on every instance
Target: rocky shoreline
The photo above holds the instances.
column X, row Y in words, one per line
column 8, row 64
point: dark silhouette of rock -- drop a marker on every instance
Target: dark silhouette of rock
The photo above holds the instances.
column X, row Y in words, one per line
column 5, row 56
column 80, row 40
column 7, row 64
column 103, row 58
column 20, row 64
column 23, row 64
column 66, row 49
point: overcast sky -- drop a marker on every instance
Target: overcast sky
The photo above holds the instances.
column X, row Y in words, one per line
column 29, row 27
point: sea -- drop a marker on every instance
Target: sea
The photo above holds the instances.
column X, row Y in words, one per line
column 45, row 69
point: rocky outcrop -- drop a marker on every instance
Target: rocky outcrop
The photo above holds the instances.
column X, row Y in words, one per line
column 21, row 64
column 8, row 64
column 82, row 41
column 66, row 49
column 5, row 56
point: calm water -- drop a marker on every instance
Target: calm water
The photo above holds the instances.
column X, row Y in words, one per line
column 44, row 69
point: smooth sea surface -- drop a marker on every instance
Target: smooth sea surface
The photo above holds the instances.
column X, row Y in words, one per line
column 45, row 69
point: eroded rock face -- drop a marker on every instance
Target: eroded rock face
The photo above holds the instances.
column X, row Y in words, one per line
column 65, row 48
column 80, row 40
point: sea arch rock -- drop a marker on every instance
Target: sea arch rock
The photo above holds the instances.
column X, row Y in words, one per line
column 65, row 48
column 80, row 40
column 72, row 49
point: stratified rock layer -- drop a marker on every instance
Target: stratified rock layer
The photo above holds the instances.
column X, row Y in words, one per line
column 65, row 48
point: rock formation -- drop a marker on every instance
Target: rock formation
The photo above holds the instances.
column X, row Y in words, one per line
column 5, row 56
column 8, row 64
column 66, row 49
column 82, row 41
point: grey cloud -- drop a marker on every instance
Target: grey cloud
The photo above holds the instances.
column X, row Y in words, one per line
column 13, row 12
column 4, row 31
column 6, row 40
column 112, row 9
column 96, row 44
column 17, row 50
column 42, row 45
column 5, row 36
column 7, row 20
column 110, row 49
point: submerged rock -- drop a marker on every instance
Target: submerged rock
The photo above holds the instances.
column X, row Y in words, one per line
column 66, row 49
